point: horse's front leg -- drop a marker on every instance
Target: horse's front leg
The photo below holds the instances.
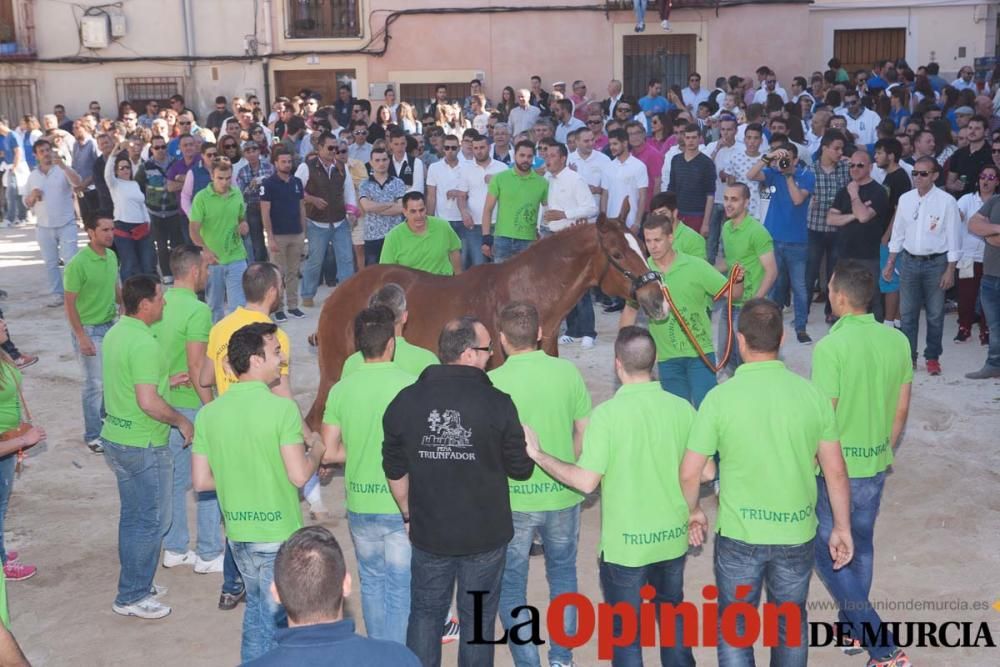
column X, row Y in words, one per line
column 550, row 343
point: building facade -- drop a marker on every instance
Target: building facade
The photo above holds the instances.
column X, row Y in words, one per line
column 57, row 52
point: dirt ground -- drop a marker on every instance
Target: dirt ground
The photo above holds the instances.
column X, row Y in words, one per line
column 937, row 538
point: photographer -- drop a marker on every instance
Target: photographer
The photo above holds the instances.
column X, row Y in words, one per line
column 791, row 185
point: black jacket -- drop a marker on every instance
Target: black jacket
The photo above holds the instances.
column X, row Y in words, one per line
column 459, row 439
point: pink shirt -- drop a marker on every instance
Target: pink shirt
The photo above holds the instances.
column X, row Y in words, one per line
column 600, row 142
column 653, row 160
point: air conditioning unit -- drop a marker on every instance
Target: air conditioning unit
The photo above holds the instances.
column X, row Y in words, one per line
column 376, row 90
column 95, row 31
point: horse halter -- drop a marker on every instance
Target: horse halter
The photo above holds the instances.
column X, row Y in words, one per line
column 638, row 282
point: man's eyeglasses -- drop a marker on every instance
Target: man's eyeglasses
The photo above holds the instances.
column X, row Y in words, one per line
column 159, row 147
column 183, row 122
column 330, row 148
column 921, row 173
column 124, row 166
column 342, row 151
column 857, row 165
column 360, row 133
column 624, row 109
column 211, row 155
column 594, row 122
column 488, row 349
column 451, row 148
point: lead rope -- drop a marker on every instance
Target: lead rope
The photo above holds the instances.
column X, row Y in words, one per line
column 727, row 289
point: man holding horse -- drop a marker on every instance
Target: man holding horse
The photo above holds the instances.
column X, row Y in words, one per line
column 424, row 242
column 684, row 339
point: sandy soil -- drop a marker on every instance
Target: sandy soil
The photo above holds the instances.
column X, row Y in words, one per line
column 937, row 538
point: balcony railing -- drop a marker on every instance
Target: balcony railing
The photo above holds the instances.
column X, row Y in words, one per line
column 323, row 19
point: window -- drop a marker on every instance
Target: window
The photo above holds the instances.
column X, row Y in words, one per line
column 420, row 95
column 666, row 58
column 17, row 30
column 311, row 19
column 18, row 97
column 859, row 49
column 138, row 90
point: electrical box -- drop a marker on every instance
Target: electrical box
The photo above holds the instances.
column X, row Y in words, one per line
column 118, row 26
column 95, row 32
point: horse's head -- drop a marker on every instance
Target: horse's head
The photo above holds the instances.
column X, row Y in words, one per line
column 624, row 272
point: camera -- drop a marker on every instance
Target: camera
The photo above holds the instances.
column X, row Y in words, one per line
column 784, row 163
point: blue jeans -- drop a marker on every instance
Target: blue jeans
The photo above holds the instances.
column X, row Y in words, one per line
column 262, row 616
column 144, row 486
column 318, row 238
column 7, row 464
column 254, row 242
column 791, row 259
column 919, row 287
column 851, row 585
column 432, row 584
column 560, row 532
column 687, row 377
column 135, row 257
column 209, row 544
column 989, row 299
column 580, row 321
column 785, row 571
column 715, row 232
column 472, row 244
column 383, row 550
column 93, row 380
column 225, row 288
column 504, row 248
column 734, row 355
column 16, row 209
column 622, row 584
column 56, row 243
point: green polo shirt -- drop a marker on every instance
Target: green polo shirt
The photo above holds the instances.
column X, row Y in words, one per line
column 356, row 405
column 242, row 433
column 131, row 355
column 692, row 283
column 93, row 279
column 863, row 365
column 185, row 320
column 518, row 198
column 410, row 358
column 743, row 245
column 689, row 242
column 426, row 252
column 220, row 217
column 636, row 441
column 4, row 614
column 766, row 423
column 10, row 397
column 549, row 394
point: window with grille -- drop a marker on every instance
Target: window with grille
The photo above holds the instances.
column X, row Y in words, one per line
column 420, row 95
column 18, row 97
column 311, row 19
column 138, row 90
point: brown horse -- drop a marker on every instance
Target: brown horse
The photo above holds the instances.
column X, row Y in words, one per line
column 553, row 274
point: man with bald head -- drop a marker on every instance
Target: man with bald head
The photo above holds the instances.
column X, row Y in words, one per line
column 860, row 213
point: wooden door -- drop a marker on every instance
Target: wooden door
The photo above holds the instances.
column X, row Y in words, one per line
column 323, row 81
column 667, row 58
column 859, row 49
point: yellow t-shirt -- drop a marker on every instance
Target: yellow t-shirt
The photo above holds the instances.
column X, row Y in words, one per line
column 218, row 344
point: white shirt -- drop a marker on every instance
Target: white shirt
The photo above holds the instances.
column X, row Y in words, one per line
column 56, row 206
column 927, row 225
column 350, row 197
column 418, row 172
column 592, row 169
column 863, row 127
column 721, row 160
column 972, row 245
column 522, row 120
column 443, row 178
column 693, row 99
column 960, row 84
column 760, row 97
column 624, row 180
column 475, row 182
column 127, row 199
column 569, row 193
column 563, row 129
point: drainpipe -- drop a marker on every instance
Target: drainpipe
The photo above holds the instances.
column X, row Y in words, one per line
column 269, row 48
column 187, row 13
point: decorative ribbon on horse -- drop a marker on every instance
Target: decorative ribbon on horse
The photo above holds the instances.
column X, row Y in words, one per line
column 735, row 277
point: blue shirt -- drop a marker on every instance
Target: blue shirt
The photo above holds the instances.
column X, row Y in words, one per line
column 284, row 196
column 174, row 148
column 785, row 221
column 333, row 645
column 654, row 104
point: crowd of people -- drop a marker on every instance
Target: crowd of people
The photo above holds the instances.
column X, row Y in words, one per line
column 871, row 193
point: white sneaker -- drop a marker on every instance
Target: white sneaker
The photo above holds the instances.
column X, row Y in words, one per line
column 665, row 25
column 158, row 591
column 209, row 566
column 173, row 559
column 587, row 342
column 566, row 340
column 149, row 608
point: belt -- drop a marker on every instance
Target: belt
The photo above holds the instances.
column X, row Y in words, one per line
column 925, row 258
